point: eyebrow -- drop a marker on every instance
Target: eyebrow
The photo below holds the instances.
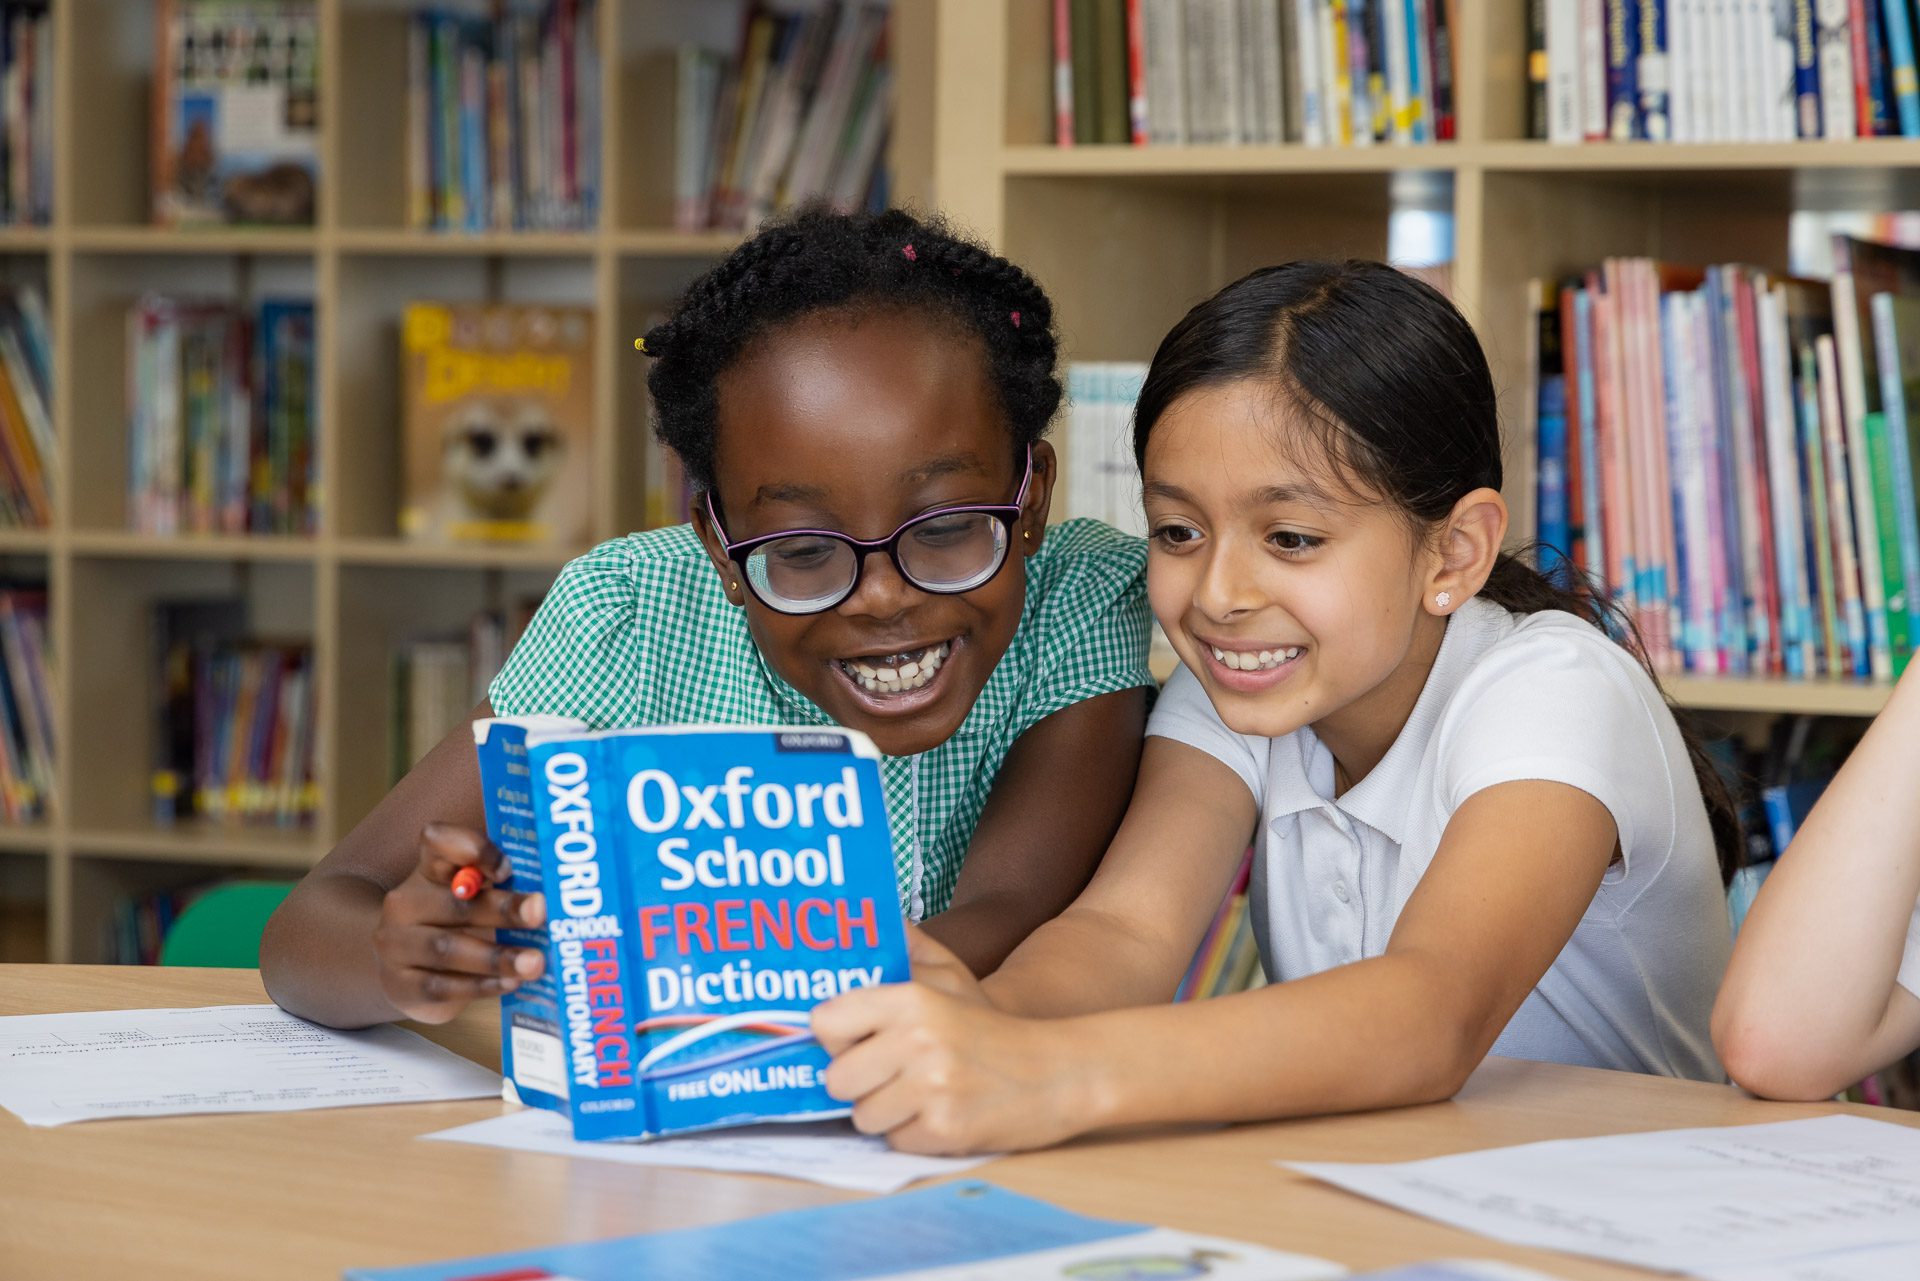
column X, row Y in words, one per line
column 1303, row 494
column 932, row 469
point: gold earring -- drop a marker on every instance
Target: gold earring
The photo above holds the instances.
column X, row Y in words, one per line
column 734, row 585
column 1026, row 536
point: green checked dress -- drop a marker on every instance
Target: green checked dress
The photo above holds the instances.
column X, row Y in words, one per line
column 639, row 632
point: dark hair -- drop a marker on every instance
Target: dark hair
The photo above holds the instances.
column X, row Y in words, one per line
column 816, row 260
column 1387, row 375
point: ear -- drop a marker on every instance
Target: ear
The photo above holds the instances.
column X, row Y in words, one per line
column 1466, row 548
column 717, row 552
column 1033, row 523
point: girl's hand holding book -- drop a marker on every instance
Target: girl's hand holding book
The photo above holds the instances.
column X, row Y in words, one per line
column 934, row 1067
column 436, row 951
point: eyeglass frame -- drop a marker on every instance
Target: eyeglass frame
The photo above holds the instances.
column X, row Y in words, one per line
column 1006, row 513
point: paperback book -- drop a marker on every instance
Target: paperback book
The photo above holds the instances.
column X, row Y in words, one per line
column 706, row 888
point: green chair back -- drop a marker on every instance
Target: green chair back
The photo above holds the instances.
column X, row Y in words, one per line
column 222, row 927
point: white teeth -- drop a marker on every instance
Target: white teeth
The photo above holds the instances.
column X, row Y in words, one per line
column 1253, row 660
column 908, row 671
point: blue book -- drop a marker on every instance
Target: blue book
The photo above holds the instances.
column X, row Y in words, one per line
column 1807, row 113
column 1556, row 532
column 1584, row 397
column 1787, row 806
column 1416, row 70
column 1654, row 73
column 1879, row 92
column 1622, row 36
column 1900, row 58
column 706, row 887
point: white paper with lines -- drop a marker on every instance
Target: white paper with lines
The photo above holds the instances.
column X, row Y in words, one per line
column 59, row 1068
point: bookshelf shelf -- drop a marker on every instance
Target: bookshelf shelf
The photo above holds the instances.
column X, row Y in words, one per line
column 398, row 552
column 162, row 240
column 676, row 244
column 115, row 544
column 27, row 541
column 25, row 239
column 26, row 838
column 194, row 843
column 1049, row 161
column 1779, row 696
column 489, row 244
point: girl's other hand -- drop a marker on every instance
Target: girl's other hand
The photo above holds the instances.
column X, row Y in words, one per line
column 935, row 965
column 944, row 1073
column 436, row 952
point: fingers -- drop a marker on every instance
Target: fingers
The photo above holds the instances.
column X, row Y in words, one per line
column 860, row 1071
column 445, row 848
column 431, row 947
column 433, row 996
column 852, row 1017
column 887, row 1109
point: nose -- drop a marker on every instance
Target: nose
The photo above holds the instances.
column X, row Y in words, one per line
column 881, row 592
column 1228, row 583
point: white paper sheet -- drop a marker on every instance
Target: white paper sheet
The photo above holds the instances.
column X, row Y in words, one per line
column 829, row 1152
column 1682, row 1200
column 58, row 1068
column 1156, row 1252
column 1886, row 1263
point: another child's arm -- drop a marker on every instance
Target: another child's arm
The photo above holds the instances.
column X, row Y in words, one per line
column 1811, row 1003
column 937, row 1071
column 1059, row 796
column 374, row 932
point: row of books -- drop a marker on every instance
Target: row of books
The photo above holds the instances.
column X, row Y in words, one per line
column 236, row 112
column 26, row 705
column 438, row 681
column 1253, row 72
column 234, row 726
column 503, row 118
column 1101, row 480
column 222, row 423
column 26, row 410
column 26, row 113
column 139, row 924
column 799, row 112
column 1722, row 70
column 1228, row 958
column 1729, row 455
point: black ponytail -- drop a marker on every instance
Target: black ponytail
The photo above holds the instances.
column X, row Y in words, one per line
column 1390, row 380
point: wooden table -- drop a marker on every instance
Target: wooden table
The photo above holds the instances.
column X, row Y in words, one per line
column 308, row 1194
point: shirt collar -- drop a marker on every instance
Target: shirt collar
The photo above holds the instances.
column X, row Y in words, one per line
column 1302, row 776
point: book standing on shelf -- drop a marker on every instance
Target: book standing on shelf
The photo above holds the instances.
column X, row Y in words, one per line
column 235, row 112
column 706, row 888
column 26, row 114
column 437, row 682
column 221, row 417
column 1101, row 481
column 503, row 118
column 498, row 423
column 26, row 411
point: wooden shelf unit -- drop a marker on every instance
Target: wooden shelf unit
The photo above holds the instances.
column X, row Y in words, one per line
column 1127, row 238
column 354, row 588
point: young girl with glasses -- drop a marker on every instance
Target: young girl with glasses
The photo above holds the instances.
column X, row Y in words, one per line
column 1477, row 827
column 858, row 403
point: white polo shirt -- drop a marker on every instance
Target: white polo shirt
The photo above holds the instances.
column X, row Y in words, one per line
column 1510, row 697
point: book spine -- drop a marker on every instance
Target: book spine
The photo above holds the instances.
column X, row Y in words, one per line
column 1652, row 74
column 1900, row 427
column 1064, row 102
column 1809, row 110
column 1563, row 70
column 1904, row 78
column 1850, row 356
column 1834, row 35
column 1887, row 535
column 1137, row 126
column 1593, row 70
column 1623, row 80
column 1862, row 41
column 1846, row 556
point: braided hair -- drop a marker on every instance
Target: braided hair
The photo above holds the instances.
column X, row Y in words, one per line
column 816, row 260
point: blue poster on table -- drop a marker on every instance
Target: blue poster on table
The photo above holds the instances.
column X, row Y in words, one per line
column 706, row 887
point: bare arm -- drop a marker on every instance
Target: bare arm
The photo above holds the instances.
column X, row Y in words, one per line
column 1516, row 869
column 1055, row 804
column 373, row 932
column 1810, row 1004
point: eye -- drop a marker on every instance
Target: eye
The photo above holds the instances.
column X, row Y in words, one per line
column 801, row 553
column 1173, row 535
column 945, row 531
column 1292, row 543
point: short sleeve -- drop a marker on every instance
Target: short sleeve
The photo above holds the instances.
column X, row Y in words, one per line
column 1909, row 976
column 581, row 654
column 1564, row 704
column 1090, row 622
column 1185, row 714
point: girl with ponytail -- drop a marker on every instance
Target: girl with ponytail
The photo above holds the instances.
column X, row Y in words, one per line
column 1476, row 825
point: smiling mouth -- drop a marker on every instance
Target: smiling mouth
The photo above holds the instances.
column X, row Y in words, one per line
column 1264, row 660
column 900, row 673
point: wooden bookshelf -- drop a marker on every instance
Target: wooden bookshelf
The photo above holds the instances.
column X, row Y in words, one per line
column 355, row 589
column 1127, row 238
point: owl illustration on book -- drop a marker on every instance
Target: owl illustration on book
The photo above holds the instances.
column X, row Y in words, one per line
column 499, row 459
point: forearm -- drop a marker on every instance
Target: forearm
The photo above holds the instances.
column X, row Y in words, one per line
column 984, row 931
column 1812, row 981
column 1049, row 976
column 1374, row 1034
column 317, row 958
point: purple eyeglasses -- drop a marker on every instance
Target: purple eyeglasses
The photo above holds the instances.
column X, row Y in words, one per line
column 946, row 551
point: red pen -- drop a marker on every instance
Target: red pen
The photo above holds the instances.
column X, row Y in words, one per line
column 467, row 882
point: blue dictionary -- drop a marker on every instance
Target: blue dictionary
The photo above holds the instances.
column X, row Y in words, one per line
column 705, row 889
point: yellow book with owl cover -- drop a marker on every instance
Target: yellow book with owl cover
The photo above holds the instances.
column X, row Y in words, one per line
column 498, row 423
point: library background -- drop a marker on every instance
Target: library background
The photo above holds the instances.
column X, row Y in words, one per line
column 316, row 322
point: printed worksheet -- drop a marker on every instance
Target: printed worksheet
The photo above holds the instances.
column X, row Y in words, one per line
column 1710, row 1202
column 59, row 1068
column 829, row 1152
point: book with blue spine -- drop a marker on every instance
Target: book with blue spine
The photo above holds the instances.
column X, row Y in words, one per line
column 706, row 887
column 1624, row 121
column 1808, row 112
